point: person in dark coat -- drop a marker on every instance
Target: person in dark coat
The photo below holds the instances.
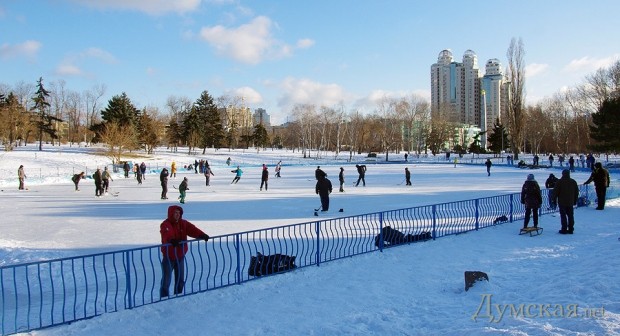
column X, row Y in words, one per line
column 407, row 177
column 138, row 173
column 183, row 188
column 143, row 170
column 323, row 189
column 264, row 178
column 361, row 170
column 532, row 199
column 126, row 168
column 600, row 177
column 566, row 193
column 571, row 164
column 163, row 178
column 76, row 179
column 341, row 179
column 174, row 231
column 98, row 183
column 488, row 163
column 550, row 184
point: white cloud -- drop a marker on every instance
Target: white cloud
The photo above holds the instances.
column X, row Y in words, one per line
column 68, row 70
column 250, row 95
column 70, row 65
column 535, row 69
column 305, row 43
column 304, row 91
column 98, row 54
column 249, row 43
column 27, row 49
column 152, row 7
column 586, row 63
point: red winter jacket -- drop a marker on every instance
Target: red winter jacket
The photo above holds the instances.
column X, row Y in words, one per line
column 177, row 231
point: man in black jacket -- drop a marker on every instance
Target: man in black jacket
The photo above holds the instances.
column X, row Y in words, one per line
column 323, row 189
column 600, row 177
column 565, row 194
column 163, row 178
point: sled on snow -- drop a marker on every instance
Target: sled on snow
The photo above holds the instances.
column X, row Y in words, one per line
column 533, row 231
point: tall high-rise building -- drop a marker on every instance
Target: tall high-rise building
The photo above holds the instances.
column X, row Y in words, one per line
column 262, row 117
column 459, row 94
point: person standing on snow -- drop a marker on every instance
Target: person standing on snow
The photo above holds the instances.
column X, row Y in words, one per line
column 208, row 173
column 532, row 199
column 264, row 178
column 183, row 188
column 341, row 179
column 600, row 177
column 238, row 172
column 138, row 173
column 174, row 232
column 407, row 176
column 21, row 175
column 163, row 178
column 106, row 177
column 143, row 170
column 361, row 170
column 76, row 179
column 566, row 193
column 488, row 163
column 98, row 183
column 323, row 189
column 173, row 169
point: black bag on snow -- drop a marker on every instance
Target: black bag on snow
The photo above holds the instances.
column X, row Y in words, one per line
column 395, row 237
column 269, row 264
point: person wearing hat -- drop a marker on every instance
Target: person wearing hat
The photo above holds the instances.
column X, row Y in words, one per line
column 341, row 179
column 550, row 184
column 600, row 177
column 21, row 175
column 183, row 188
column 407, row 176
column 174, row 231
column 565, row 195
column 532, row 199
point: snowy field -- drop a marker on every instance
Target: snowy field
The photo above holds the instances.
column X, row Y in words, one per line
column 411, row 290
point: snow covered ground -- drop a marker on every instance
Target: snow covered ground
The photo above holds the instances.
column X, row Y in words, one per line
column 411, row 290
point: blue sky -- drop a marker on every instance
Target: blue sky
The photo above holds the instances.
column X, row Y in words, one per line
column 279, row 53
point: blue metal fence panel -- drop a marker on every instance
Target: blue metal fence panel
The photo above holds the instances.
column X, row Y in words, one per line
column 53, row 292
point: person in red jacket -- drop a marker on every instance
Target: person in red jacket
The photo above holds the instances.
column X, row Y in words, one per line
column 174, row 232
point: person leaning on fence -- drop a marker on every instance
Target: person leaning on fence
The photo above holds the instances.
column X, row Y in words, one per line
column 600, row 177
column 174, row 232
column 532, row 199
column 565, row 194
column 550, row 184
column 21, row 175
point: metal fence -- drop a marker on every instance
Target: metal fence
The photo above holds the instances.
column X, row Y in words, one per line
column 48, row 293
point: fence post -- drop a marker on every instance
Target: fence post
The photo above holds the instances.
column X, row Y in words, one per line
column 318, row 243
column 381, row 231
column 434, row 221
column 237, row 246
column 477, row 202
column 511, row 210
column 128, row 280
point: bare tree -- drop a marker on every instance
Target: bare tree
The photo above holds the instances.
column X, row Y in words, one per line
column 516, row 76
column 91, row 101
column 118, row 139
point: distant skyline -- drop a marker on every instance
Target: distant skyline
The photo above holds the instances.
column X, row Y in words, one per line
column 278, row 53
